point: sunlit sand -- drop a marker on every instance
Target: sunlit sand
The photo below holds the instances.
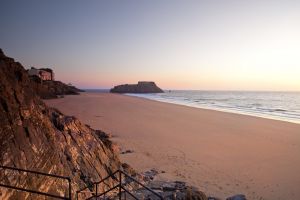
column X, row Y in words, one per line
column 221, row 153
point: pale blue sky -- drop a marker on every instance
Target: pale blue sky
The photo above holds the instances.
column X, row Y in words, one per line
column 224, row 45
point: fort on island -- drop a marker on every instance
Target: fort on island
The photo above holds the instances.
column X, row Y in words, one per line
column 140, row 87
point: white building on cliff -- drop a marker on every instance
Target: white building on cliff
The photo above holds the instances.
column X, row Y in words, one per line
column 45, row 74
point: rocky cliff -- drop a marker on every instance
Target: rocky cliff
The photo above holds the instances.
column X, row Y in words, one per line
column 141, row 87
column 52, row 89
column 36, row 137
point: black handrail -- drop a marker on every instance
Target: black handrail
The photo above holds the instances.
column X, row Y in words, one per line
column 96, row 183
column 141, row 184
column 120, row 186
column 105, row 192
column 109, row 176
column 129, row 193
column 33, row 191
column 34, row 172
column 38, row 192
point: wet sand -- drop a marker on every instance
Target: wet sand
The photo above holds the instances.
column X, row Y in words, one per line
column 221, row 153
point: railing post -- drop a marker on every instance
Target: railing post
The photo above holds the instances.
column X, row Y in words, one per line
column 70, row 189
column 96, row 191
column 120, row 185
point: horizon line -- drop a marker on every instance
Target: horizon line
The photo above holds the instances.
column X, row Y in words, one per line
column 207, row 90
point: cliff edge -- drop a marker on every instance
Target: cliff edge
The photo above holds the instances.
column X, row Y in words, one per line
column 51, row 89
column 36, row 137
column 141, row 87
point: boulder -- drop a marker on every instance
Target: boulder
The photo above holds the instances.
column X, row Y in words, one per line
column 237, row 197
column 170, row 191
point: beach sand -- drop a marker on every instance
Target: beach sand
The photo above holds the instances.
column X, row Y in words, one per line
column 221, row 153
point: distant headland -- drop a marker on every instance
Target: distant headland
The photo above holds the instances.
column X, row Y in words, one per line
column 47, row 87
column 140, row 87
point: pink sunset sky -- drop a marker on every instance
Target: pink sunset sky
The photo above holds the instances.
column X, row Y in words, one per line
column 205, row 45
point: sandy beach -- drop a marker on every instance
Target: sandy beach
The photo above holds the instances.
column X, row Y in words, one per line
column 221, row 153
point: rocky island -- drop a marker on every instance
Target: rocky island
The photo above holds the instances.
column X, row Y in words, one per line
column 141, row 87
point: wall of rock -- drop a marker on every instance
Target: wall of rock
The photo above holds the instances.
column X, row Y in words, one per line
column 36, row 137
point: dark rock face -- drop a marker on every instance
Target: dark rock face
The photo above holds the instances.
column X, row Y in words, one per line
column 52, row 89
column 237, row 197
column 141, row 87
column 36, row 137
column 171, row 190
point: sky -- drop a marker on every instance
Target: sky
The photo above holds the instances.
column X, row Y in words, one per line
column 179, row 44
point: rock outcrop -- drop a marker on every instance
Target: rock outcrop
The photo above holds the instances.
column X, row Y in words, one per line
column 170, row 190
column 36, row 137
column 237, row 197
column 52, row 89
column 141, row 87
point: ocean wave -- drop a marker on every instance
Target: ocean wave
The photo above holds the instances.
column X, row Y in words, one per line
column 274, row 105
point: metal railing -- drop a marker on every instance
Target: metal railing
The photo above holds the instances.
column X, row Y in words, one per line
column 69, row 197
column 116, row 176
column 120, row 186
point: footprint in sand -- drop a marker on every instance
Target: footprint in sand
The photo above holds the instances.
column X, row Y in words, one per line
column 148, row 154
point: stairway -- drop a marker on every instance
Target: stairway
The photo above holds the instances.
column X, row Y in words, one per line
column 126, row 187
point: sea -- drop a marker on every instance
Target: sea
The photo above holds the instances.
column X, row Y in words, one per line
column 284, row 106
